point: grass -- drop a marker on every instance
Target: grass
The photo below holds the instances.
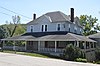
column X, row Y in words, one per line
column 31, row 54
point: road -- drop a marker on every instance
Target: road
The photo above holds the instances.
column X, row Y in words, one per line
column 7, row 59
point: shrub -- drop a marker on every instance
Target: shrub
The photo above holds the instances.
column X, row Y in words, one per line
column 97, row 52
column 71, row 52
column 98, row 62
column 80, row 60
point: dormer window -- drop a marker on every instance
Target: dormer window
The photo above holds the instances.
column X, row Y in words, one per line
column 58, row 27
column 31, row 28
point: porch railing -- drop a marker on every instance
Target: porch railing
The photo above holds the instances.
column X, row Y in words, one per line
column 51, row 50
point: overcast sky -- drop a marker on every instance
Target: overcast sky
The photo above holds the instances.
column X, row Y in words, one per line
column 27, row 7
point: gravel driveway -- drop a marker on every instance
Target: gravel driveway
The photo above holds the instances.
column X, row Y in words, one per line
column 7, row 59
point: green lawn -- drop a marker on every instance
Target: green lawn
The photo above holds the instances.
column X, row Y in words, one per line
column 32, row 54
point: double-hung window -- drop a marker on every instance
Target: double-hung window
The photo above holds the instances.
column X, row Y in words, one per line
column 44, row 28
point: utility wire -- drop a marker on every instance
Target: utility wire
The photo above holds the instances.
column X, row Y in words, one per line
column 5, row 13
column 9, row 15
column 14, row 12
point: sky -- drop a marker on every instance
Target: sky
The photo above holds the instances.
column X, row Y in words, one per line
column 26, row 8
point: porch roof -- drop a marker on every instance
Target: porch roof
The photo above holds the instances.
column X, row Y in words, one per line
column 65, row 37
column 19, row 38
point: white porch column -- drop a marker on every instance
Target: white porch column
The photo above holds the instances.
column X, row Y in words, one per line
column 3, row 45
column 38, row 45
column 84, row 44
column 93, row 44
column 14, row 47
column 55, row 46
column 77, row 43
column 25, row 45
column 89, row 45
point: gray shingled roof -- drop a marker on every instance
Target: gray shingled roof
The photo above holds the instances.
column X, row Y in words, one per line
column 97, row 35
column 67, row 37
column 19, row 38
column 56, row 16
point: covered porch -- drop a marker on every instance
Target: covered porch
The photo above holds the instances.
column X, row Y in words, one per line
column 52, row 43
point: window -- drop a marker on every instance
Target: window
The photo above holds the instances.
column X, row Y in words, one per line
column 45, row 27
column 49, row 44
column 31, row 28
column 80, row 30
column 87, row 45
column 92, row 45
column 61, row 44
column 69, row 29
column 58, row 28
column 42, row 28
column 75, row 29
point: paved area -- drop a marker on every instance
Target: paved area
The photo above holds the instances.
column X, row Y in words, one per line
column 7, row 59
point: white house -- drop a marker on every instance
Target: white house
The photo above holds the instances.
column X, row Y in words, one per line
column 51, row 32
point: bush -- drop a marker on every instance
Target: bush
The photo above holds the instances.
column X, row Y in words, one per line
column 80, row 60
column 97, row 52
column 71, row 52
column 98, row 62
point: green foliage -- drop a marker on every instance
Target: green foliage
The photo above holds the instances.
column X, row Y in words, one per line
column 98, row 62
column 97, row 52
column 15, row 22
column 80, row 60
column 89, row 24
column 71, row 52
column 3, row 33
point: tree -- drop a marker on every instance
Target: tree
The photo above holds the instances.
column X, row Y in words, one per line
column 3, row 33
column 71, row 52
column 89, row 24
column 15, row 23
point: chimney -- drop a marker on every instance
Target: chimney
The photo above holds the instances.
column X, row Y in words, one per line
column 72, row 14
column 34, row 16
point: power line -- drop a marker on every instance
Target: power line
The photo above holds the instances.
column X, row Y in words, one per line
column 5, row 13
column 8, row 14
column 14, row 12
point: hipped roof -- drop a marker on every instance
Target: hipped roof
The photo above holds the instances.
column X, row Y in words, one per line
column 66, row 37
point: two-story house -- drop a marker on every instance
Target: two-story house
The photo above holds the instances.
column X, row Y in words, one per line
column 51, row 32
